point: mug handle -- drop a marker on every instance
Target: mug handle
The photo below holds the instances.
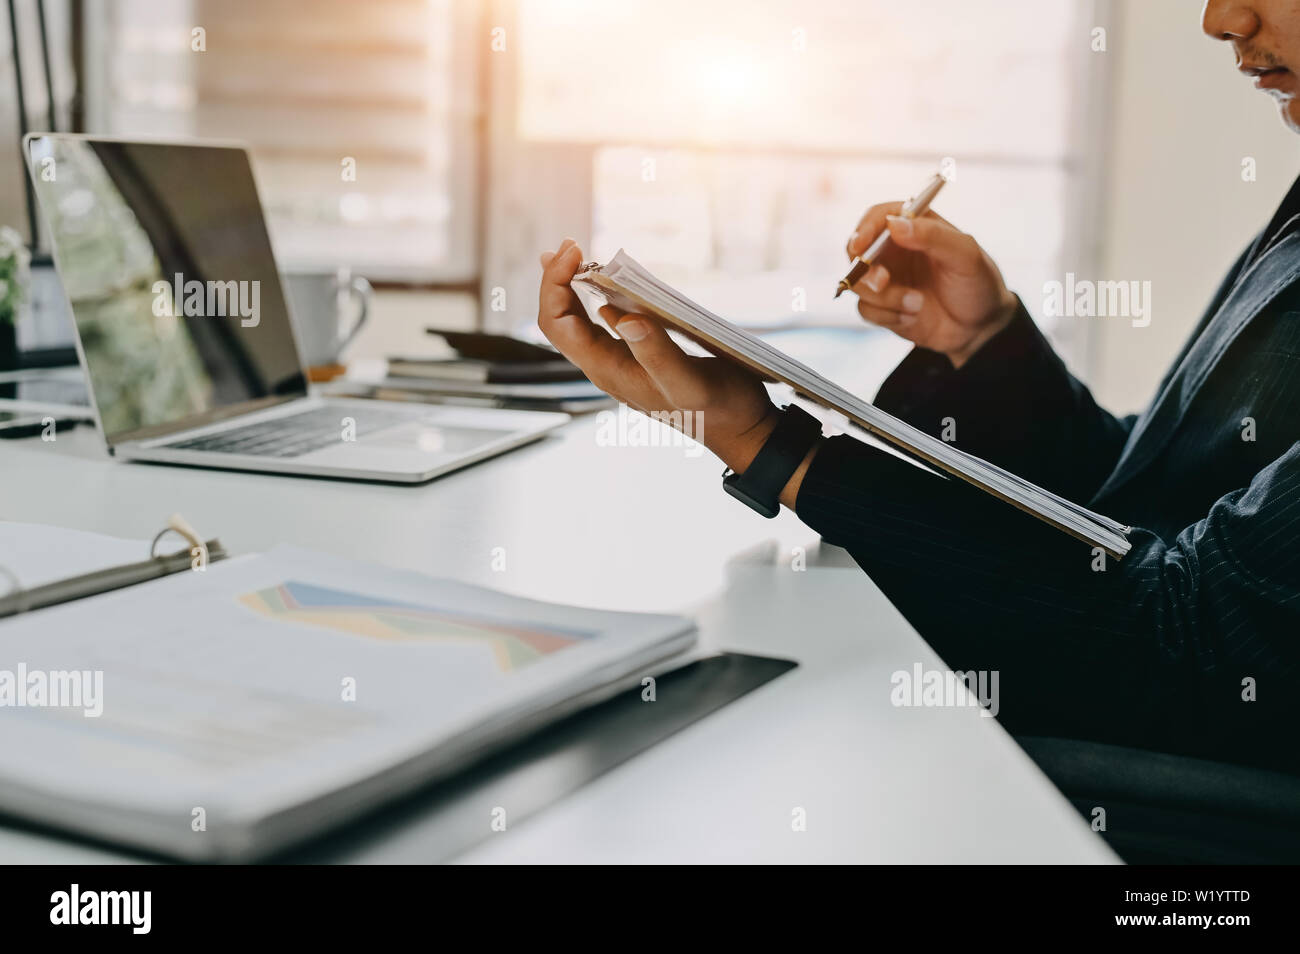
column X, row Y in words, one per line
column 364, row 293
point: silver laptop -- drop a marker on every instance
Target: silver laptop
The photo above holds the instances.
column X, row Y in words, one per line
column 185, row 336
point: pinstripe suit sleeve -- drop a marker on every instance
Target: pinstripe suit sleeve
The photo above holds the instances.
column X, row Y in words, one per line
column 1159, row 642
column 1014, row 404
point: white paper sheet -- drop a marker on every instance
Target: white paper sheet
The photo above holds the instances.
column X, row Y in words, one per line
column 37, row 554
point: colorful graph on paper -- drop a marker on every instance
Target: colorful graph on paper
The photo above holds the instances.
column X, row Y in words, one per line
column 513, row 644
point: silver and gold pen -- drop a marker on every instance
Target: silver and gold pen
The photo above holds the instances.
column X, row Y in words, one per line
column 917, row 205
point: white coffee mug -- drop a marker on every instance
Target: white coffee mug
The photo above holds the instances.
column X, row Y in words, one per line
column 327, row 309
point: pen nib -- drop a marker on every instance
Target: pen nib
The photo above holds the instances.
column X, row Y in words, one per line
column 841, row 288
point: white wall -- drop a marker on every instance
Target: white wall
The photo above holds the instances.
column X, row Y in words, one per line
column 1175, row 209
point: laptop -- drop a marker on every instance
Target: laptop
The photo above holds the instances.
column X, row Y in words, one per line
column 184, row 333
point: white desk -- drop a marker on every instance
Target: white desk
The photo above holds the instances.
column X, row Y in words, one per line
column 639, row 529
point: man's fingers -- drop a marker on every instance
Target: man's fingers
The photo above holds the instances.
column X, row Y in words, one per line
column 874, row 222
column 941, row 242
column 886, row 317
column 891, row 298
column 547, row 257
column 668, row 366
column 611, row 314
column 640, row 369
column 869, row 226
column 876, row 281
column 555, row 296
column 606, row 362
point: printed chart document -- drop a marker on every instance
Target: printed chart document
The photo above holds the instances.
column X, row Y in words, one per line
column 627, row 285
column 229, row 712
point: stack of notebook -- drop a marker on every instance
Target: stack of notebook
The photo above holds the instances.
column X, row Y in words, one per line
column 485, row 370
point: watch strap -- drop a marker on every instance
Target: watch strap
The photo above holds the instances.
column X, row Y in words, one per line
column 760, row 486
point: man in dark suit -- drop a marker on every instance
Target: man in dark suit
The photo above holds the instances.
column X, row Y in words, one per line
column 1191, row 643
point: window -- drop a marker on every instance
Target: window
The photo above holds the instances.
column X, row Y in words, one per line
column 13, row 173
column 362, row 117
column 733, row 145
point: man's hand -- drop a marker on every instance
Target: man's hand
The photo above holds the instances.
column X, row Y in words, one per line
column 932, row 285
column 729, row 410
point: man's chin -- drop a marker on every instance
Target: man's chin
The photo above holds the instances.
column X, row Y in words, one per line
column 1288, row 108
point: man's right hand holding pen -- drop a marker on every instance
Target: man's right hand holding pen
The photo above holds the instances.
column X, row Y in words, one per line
column 933, row 284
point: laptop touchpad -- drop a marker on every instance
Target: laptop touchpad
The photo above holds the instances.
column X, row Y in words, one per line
column 433, row 438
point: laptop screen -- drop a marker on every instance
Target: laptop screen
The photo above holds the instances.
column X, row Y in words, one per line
column 164, row 254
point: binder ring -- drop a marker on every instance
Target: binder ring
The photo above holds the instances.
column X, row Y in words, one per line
column 178, row 525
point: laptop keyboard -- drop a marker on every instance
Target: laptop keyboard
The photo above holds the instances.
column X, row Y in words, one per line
column 295, row 434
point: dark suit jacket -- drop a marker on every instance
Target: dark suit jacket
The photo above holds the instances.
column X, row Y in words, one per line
column 1159, row 650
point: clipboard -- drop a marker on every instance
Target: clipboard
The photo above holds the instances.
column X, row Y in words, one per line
column 627, row 285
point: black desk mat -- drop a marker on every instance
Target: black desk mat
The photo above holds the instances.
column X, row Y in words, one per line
column 440, row 822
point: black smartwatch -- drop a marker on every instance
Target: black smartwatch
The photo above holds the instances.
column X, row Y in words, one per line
column 760, row 486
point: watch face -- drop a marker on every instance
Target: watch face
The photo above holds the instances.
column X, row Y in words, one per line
column 730, row 485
